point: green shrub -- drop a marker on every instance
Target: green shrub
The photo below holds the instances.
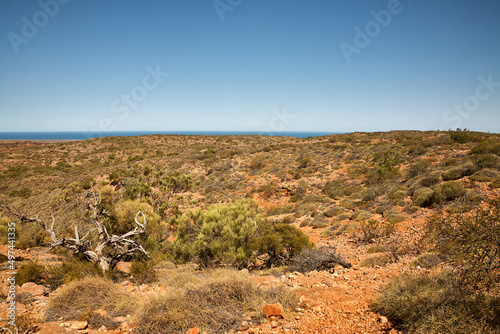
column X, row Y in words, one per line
column 348, row 204
column 488, row 146
column 331, row 231
column 420, row 167
column 394, row 216
column 372, row 229
column 335, row 211
column 24, row 192
column 455, row 173
column 361, row 215
column 274, row 211
column 319, row 222
column 427, row 261
column 65, row 272
column 460, row 136
column 397, row 194
column 375, row 260
column 452, row 190
column 470, row 243
column 432, row 179
column 495, row 184
column 342, row 217
column 435, row 305
column 31, row 272
column 423, row 197
column 486, row 161
column 339, row 188
column 485, row 175
column 382, row 208
column 234, row 234
column 374, row 248
column 347, row 228
column 143, row 272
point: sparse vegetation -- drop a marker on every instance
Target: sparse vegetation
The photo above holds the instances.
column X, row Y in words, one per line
column 238, row 201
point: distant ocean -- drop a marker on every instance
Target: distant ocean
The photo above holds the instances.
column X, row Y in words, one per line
column 87, row 135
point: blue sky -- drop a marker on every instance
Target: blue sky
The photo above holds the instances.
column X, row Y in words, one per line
column 241, row 65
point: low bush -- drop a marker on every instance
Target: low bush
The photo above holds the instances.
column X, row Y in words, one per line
column 420, row 167
column 361, row 215
column 485, row 175
column 423, row 197
column 486, row 161
column 347, row 228
column 339, row 188
column 394, row 216
column 341, row 217
column 470, row 243
column 436, row 304
column 372, row 229
column 323, row 258
column 458, row 172
column 319, row 222
column 66, row 272
column 335, row 211
column 427, row 260
column 383, row 208
column 331, row 231
column 452, row 190
column 375, row 260
column 31, row 272
column 143, row 272
column 461, row 136
column 487, row 146
column 374, row 248
column 495, row 184
column 397, row 195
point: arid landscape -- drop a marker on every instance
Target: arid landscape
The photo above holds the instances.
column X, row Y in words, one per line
column 388, row 232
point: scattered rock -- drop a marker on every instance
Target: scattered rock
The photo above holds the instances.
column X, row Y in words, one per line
column 273, row 310
column 78, row 325
column 54, row 328
column 193, row 330
column 35, row 289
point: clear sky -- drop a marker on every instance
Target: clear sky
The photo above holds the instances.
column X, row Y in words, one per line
column 249, row 65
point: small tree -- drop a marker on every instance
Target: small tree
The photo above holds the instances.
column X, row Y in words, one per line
column 235, row 234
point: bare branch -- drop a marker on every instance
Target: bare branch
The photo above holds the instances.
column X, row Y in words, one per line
column 108, row 250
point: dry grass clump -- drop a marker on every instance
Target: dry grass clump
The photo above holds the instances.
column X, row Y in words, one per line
column 80, row 299
column 437, row 304
column 375, row 260
column 214, row 302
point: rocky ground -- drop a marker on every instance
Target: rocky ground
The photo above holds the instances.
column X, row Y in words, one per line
column 333, row 182
column 337, row 302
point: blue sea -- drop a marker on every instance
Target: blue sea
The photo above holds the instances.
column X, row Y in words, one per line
column 87, row 135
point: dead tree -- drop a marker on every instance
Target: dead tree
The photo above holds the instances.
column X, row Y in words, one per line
column 97, row 245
